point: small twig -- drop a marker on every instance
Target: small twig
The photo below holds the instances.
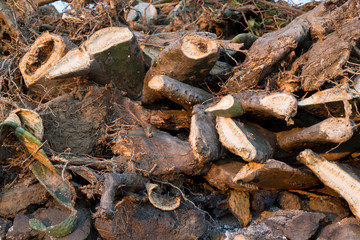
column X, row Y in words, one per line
column 185, row 198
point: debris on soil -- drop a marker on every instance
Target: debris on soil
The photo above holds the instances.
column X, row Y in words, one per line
column 213, row 119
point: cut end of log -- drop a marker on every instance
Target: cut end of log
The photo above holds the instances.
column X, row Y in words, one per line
column 284, row 105
column 156, row 83
column 100, row 40
column 197, row 47
column 234, row 139
column 44, row 53
column 75, row 63
column 227, row 107
column 337, row 130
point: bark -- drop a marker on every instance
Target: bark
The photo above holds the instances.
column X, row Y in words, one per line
column 266, row 52
column 178, row 92
column 271, row 48
column 239, row 204
column 203, row 138
column 162, row 119
column 187, row 60
column 154, row 154
column 222, row 173
column 111, row 183
column 331, row 130
column 324, row 61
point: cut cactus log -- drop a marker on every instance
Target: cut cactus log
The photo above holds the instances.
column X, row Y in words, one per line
column 274, row 174
column 228, row 106
column 46, row 51
column 331, row 102
column 247, row 140
column 262, row 104
column 335, row 176
column 187, row 60
column 222, row 173
column 110, row 55
column 331, row 130
column 178, row 92
column 203, row 138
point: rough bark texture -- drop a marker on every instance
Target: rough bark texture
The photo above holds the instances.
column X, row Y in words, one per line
column 151, row 154
column 271, row 48
column 239, row 204
column 143, row 221
column 314, row 72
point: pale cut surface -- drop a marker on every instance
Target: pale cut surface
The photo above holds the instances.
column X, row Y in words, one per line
column 281, row 103
column 197, row 47
column 100, row 40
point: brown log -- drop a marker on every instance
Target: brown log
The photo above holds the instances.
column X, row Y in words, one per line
column 271, row 48
column 222, row 173
column 162, row 119
column 331, row 130
column 274, row 174
column 187, row 60
column 336, row 176
column 261, row 104
column 203, row 138
column 157, row 154
column 331, row 102
column 178, row 92
column 323, row 61
column 247, row 140
column 239, row 204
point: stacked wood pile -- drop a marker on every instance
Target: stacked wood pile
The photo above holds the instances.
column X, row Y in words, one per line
column 180, row 120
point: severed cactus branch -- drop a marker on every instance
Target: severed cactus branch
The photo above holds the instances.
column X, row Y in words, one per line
column 178, row 92
column 335, row 176
column 331, row 130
